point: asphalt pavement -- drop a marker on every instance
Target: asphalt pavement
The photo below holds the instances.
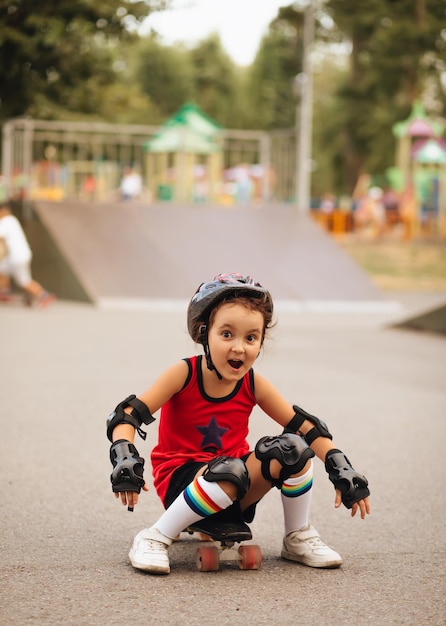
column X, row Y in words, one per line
column 64, row 538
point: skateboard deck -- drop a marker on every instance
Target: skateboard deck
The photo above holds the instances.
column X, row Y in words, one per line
column 220, row 539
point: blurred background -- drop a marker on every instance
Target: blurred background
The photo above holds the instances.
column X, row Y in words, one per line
column 335, row 110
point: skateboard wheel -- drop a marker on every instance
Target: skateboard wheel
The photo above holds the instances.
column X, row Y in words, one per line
column 207, row 559
column 250, row 557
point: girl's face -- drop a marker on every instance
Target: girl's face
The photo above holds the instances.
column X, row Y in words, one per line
column 235, row 339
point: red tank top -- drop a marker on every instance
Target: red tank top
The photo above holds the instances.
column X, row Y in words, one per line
column 195, row 427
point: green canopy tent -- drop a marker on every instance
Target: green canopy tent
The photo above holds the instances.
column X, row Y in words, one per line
column 185, row 155
column 432, row 152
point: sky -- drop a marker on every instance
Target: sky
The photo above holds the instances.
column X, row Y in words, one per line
column 241, row 24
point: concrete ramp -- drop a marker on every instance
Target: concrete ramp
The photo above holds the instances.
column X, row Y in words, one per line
column 135, row 252
column 432, row 321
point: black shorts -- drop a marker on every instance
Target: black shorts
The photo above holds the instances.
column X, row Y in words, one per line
column 181, row 478
column 184, row 475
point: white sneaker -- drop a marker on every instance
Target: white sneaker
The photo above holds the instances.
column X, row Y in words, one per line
column 149, row 551
column 305, row 546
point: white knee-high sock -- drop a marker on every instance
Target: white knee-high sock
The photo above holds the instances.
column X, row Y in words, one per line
column 199, row 499
column 296, row 496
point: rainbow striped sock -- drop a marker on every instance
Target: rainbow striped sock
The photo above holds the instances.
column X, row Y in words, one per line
column 296, row 494
column 203, row 497
column 295, row 487
column 200, row 499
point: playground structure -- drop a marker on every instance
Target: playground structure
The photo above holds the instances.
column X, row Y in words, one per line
column 189, row 158
column 413, row 204
column 185, row 157
column 419, row 175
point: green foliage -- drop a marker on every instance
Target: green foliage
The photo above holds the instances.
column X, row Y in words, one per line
column 216, row 83
column 53, row 53
column 163, row 73
column 169, row 76
column 328, row 129
column 272, row 75
column 397, row 49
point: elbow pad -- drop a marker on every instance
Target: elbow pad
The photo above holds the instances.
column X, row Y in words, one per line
column 320, row 428
column 139, row 414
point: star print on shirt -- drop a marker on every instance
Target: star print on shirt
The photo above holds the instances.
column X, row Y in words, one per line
column 212, row 434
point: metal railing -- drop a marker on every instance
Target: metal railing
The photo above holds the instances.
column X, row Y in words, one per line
column 58, row 160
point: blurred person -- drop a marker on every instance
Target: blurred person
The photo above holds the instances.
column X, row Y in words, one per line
column 328, row 203
column 369, row 216
column 16, row 264
column 131, row 184
column 202, row 464
column 89, row 187
column 244, row 183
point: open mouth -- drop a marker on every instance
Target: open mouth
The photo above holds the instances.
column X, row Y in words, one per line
column 235, row 363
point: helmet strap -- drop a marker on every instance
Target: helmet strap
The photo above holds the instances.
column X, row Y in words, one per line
column 207, row 353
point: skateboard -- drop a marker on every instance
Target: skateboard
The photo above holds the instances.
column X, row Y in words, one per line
column 221, row 538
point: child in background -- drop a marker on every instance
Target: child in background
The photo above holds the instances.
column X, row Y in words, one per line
column 16, row 263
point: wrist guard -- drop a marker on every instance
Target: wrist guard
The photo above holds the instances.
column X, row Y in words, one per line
column 138, row 415
column 128, row 467
column 320, row 428
column 352, row 485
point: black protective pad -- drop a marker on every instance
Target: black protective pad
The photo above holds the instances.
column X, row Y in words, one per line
column 231, row 469
column 138, row 415
column 352, row 485
column 128, row 467
column 289, row 449
column 320, row 428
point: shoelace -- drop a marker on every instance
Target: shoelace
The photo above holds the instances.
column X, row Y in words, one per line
column 152, row 544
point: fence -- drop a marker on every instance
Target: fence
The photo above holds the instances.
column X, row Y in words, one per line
column 57, row 160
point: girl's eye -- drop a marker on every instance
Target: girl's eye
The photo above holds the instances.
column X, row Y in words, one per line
column 226, row 334
column 252, row 338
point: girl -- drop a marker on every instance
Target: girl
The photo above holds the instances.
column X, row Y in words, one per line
column 202, row 463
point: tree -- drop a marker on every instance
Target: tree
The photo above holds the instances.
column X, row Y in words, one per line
column 272, row 74
column 396, row 53
column 55, row 54
column 217, row 86
column 329, row 72
column 164, row 74
column 397, row 50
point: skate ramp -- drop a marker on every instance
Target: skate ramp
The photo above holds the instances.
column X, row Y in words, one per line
column 135, row 253
column 432, row 321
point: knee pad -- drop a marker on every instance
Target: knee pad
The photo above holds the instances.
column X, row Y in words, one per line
column 231, row 469
column 289, row 449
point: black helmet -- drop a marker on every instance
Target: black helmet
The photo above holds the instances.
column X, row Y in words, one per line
column 208, row 295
